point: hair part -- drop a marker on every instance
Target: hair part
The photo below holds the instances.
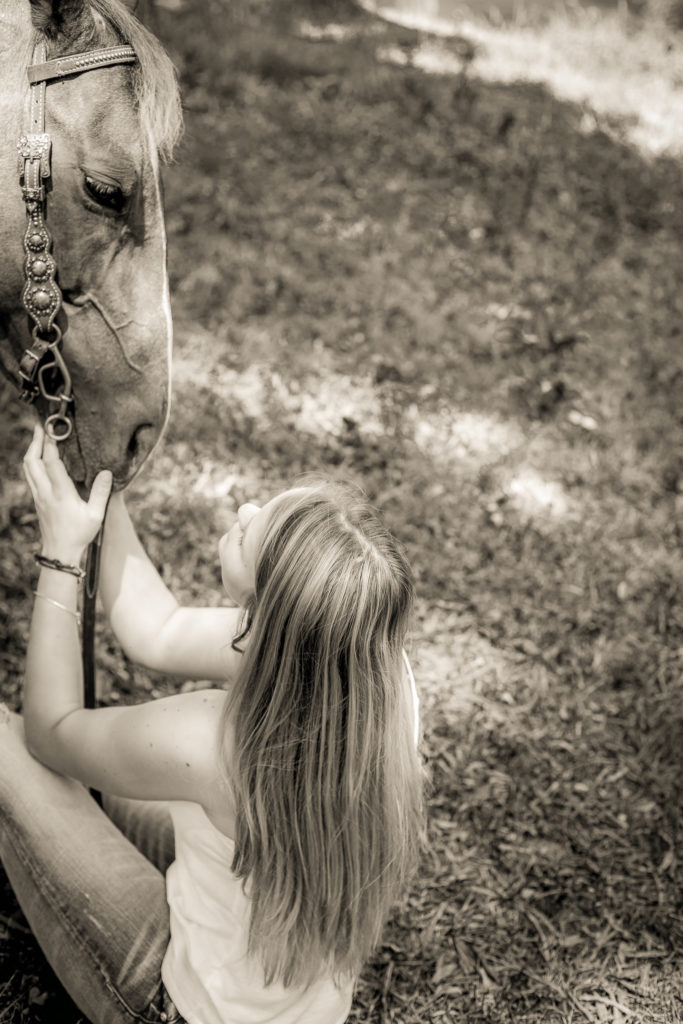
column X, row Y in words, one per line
column 324, row 770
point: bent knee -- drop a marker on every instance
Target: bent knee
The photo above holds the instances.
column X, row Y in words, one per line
column 20, row 773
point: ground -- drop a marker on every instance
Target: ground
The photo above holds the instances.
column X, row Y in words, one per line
column 464, row 294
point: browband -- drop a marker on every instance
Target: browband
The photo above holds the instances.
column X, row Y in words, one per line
column 60, row 67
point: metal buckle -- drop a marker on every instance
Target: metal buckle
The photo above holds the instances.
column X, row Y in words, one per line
column 33, row 195
column 28, row 365
column 35, row 146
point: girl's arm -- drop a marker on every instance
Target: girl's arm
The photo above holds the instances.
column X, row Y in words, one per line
column 161, row 750
column 165, row 749
column 153, row 629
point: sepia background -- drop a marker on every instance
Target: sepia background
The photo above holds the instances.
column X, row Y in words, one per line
column 441, row 255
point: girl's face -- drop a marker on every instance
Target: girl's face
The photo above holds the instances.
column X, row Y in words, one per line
column 238, row 548
column 237, row 551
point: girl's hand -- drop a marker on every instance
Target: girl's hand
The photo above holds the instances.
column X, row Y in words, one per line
column 67, row 523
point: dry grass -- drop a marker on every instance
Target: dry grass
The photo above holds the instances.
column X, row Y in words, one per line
column 466, row 297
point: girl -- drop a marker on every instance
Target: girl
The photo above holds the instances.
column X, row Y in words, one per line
column 255, row 837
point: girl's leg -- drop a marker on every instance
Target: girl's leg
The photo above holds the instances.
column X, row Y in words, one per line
column 96, row 905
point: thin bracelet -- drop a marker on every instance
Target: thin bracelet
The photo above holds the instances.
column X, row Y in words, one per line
column 54, row 563
column 57, row 604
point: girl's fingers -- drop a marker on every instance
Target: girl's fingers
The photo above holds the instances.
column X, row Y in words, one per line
column 35, row 449
column 38, row 483
column 55, row 468
column 33, row 464
column 99, row 494
column 50, row 453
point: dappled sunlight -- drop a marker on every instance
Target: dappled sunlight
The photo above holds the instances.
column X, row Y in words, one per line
column 175, row 470
column 326, row 403
column 453, row 664
column 313, row 404
column 335, row 403
column 532, row 495
column 433, row 59
column 246, row 386
column 214, row 482
column 333, row 32
column 585, row 57
column 646, row 96
column 473, row 437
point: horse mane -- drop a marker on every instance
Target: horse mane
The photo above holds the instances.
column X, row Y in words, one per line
column 154, row 80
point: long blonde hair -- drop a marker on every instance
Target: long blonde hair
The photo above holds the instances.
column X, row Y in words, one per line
column 324, row 770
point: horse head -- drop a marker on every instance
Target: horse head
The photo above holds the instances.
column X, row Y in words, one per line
column 110, row 127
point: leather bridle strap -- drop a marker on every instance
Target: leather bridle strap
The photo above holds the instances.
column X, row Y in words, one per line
column 42, row 369
column 41, row 295
column 76, row 63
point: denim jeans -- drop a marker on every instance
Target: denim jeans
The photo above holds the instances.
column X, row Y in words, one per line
column 91, row 884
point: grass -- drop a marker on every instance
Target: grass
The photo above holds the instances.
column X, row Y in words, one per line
column 459, row 287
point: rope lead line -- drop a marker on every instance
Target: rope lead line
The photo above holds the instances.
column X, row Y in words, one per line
column 92, row 575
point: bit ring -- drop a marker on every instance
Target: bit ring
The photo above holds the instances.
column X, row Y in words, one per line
column 53, row 431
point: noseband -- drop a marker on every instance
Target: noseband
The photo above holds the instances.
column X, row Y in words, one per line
column 42, row 369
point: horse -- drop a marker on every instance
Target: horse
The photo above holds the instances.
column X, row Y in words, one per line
column 111, row 128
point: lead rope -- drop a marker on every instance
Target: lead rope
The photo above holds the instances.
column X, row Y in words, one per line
column 92, row 576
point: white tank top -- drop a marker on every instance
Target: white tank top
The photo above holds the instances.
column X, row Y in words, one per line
column 206, row 970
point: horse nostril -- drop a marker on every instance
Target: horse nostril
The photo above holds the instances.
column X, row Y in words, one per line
column 141, row 441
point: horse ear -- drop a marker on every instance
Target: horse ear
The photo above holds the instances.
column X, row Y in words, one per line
column 54, row 17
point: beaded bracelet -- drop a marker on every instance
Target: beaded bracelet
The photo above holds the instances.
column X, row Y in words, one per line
column 54, row 563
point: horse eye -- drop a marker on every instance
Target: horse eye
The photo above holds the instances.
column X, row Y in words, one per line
column 105, row 193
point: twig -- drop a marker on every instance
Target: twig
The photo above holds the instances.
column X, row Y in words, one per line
column 560, row 991
column 609, row 1002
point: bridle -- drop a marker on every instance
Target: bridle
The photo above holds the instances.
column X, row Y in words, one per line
column 42, row 369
